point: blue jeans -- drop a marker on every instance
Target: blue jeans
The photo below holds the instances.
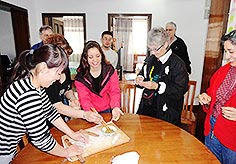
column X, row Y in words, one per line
column 224, row 155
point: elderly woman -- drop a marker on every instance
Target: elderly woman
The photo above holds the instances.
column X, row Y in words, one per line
column 164, row 78
column 219, row 103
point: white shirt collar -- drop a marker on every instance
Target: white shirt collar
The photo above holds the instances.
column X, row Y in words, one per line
column 165, row 57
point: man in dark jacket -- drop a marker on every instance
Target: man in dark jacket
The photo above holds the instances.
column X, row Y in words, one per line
column 177, row 45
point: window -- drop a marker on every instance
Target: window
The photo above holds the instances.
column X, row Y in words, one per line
column 130, row 31
column 139, row 36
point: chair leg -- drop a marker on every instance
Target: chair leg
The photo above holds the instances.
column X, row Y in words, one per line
column 193, row 128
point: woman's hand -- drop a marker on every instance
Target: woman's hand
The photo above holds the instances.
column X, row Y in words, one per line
column 116, row 112
column 80, row 136
column 74, row 103
column 204, row 99
column 146, row 84
column 139, row 80
column 74, row 150
column 150, row 85
column 229, row 113
column 92, row 117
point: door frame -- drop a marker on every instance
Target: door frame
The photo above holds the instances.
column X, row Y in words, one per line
column 47, row 19
column 20, row 25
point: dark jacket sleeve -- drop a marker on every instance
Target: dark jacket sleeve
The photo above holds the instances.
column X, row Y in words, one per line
column 179, row 48
column 178, row 82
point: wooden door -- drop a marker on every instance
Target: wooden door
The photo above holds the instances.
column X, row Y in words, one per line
column 21, row 29
column 20, row 26
column 58, row 26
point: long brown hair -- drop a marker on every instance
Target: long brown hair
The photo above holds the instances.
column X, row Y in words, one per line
column 52, row 55
column 84, row 66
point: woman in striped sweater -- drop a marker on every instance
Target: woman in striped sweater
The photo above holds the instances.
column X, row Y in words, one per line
column 25, row 106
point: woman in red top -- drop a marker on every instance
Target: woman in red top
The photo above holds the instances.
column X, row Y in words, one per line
column 219, row 102
column 97, row 82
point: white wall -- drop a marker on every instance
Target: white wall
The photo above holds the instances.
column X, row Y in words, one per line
column 7, row 44
column 32, row 15
column 188, row 15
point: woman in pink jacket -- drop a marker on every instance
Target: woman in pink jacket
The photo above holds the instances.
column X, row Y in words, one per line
column 97, row 82
column 220, row 105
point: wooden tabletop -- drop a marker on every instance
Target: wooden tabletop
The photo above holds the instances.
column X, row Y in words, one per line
column 156, row 141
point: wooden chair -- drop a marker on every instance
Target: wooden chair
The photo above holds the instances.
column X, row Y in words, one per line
column 188, row 118
column 128, row 96
column 138, row 58
column 23, row 142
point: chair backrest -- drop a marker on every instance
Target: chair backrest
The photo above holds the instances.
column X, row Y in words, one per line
column 128, row 96
column 189, row 100
column 23, row 142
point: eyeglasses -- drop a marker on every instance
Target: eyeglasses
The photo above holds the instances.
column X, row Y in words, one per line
column 155, row 49
column 169, row 29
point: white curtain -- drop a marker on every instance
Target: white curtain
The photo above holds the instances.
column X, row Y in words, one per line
column 74, row 33
column 122, row 31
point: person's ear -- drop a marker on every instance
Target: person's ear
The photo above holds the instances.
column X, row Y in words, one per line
column 41, row 36
column 42, row 67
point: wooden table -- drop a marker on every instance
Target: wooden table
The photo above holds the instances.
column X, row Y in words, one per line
column 156, row 142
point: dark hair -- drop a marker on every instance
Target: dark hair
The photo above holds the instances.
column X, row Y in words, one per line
column 59, row 40
column 84, row 66
column 52, row 55
column 230, row 36
column 45, row 27
column 106, row 33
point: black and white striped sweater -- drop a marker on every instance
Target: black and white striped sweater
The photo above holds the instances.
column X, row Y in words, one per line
column 24, row 109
